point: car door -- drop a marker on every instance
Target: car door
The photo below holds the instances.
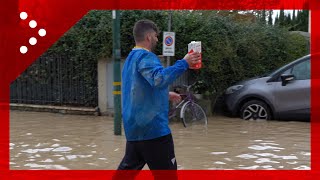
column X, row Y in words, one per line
column 293, row 99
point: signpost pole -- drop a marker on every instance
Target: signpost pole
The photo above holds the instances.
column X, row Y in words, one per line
column 169, row 29
column 116, row 71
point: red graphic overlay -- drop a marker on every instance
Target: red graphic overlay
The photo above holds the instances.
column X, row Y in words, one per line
column 55, row 17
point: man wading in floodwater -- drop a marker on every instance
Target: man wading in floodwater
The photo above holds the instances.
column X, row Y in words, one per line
column 145, row 104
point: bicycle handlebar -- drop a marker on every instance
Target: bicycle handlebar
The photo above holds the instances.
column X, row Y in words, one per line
column 188, row 87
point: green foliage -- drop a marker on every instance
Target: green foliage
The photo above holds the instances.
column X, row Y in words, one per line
column 232, row 50
column 88, row 38
column 281, row 18
column 91, row 37
column 294, row 22
column 302, row 20
column 128, row 18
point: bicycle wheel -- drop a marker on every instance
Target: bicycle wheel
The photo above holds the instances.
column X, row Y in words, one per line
column 193, row 114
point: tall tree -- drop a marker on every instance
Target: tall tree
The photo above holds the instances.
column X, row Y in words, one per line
column 281, row 17
column 270, row 20
column 263, row 16
column 287, row 21
column 276, row 20
column 302, row 21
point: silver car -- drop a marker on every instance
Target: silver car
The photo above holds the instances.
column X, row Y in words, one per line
column 282, row 94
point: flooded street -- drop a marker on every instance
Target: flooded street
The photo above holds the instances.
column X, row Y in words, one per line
column 57, row 141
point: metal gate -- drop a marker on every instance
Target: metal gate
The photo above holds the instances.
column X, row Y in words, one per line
column 57, row 80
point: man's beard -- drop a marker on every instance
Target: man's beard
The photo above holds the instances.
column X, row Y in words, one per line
column 153, row 46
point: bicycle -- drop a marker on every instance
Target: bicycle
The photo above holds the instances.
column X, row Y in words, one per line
column 191, row 113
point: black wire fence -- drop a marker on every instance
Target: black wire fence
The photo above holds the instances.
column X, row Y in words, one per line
column 57, row 80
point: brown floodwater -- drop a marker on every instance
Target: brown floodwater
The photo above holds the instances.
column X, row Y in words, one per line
column 40, row 140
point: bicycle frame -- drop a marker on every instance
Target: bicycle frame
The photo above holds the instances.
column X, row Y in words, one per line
column 189, row 98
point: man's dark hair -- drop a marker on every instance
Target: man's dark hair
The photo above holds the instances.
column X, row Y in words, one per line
column 142, row 27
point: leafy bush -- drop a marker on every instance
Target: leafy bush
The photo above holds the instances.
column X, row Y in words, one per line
column 232, row 50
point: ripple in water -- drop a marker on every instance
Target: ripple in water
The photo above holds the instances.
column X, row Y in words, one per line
column 219, row 162
column 302, row 168
column 247, row 156
column 217, row 153
column 34, row 165
column 261, row 148
column 47, row 160
column 275, row 156
column 250, row 167
column 32, row 151
column 71, row 157
column 265, row 160
column 62, row 149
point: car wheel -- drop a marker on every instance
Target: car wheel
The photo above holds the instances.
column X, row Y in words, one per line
column 255, row 110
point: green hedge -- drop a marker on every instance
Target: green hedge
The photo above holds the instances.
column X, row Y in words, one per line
column 232, row 51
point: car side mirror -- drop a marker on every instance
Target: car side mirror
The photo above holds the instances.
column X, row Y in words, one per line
column 285, row 78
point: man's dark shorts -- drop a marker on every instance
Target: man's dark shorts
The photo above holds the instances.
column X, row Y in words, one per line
column 157, row 153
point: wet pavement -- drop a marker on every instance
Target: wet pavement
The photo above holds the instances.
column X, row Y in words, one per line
column 40, row 140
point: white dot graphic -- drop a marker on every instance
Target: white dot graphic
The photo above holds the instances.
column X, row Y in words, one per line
column 33, row 24
column 42, row 32
column 23, row 15
column 23, row 49
column 33, row 41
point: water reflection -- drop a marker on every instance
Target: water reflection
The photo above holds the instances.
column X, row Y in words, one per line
column 54, row 141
